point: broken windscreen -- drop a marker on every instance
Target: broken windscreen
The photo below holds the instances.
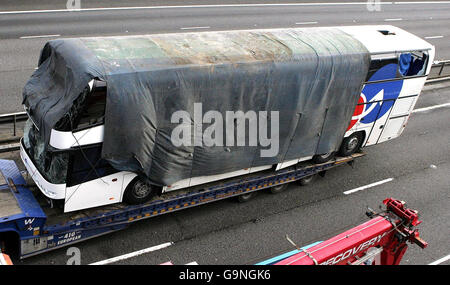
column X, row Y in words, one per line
column 50, row 164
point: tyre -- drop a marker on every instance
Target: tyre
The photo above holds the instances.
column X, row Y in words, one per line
column 321, row 158
column 245, row 197
column 307, row 180
column 351, row 144
column 138, row 192
column 278, row 189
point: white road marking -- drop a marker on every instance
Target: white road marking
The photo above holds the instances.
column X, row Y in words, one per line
column 393, row 20
column 306, row 23
column 192, row 263
column 441, row 260
column 431, row 108
column 434, row 37
column 194, row 28
column 132, row 254
column 368, row 186
column 41, row 36
column 219, row 6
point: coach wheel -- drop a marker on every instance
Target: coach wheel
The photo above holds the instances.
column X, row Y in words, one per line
column 350, row 144
column 321, row 158
column 138, row 192
column 307, row 180
column 245, row 197
column 279, row 188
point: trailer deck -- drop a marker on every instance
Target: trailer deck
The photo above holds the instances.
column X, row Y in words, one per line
column 8, row 204
column 41, row 228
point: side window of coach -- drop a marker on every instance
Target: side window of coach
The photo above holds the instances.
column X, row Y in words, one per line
column 383, row 68
column 82, row 164
column 412, row 63
column 93, row 111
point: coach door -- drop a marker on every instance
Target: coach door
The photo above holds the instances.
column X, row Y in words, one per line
column 381, row 119
column 398, row 118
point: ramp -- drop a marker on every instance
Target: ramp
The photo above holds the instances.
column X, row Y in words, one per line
column 16, row 201
column 8, row 203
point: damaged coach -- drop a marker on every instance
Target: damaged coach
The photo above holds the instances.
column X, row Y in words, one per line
column 122, row 119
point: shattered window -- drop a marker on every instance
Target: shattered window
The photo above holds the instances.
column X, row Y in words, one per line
column 87, row 110
column 49, row 162
column 412, row 63
column 94, row 111
column 389, row 66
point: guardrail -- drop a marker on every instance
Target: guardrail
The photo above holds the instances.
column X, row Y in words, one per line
column 440, row 71
column 13, row 118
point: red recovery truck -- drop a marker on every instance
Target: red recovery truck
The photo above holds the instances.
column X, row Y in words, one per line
column 379, row 241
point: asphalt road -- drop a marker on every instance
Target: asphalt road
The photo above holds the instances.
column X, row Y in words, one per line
column 30, row 5
column 227, row 232
column 20, row 48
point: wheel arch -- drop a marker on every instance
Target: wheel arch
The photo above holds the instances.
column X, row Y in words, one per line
column 364, row 136
column 128, row 178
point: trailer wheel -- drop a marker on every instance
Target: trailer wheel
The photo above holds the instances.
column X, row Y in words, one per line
column 307, row 180
column 321, row 158
column 278, row 189
column 245, row 197
column 138, row 192
column 351, row 144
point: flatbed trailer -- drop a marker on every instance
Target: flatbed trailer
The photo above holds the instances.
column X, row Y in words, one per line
column 31, row 228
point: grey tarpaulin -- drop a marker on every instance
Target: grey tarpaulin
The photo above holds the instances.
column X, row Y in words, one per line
column 312, row 77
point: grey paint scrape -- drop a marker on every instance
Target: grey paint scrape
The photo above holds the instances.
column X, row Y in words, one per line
column 312, row 77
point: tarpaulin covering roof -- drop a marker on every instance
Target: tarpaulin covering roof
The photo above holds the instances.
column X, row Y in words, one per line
column 313, row 77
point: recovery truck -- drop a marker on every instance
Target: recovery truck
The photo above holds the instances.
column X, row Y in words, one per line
column 28, row 228
column 379, row 241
